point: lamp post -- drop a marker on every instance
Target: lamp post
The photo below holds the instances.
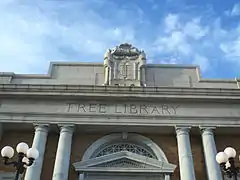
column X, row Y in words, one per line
column 26, row 157
column 226, row 161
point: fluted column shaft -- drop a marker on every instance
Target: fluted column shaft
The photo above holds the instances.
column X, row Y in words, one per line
column 209, row 148
column 185, row 154
column 39, row 142
column 62, row 160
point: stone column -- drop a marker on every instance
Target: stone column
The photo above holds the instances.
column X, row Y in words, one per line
column 185, row 154
column 143, row 75
column 62, row 160
column 209, row 148
column 80, row 177
column 1, row 131
column 39, row 142
column 167, row 177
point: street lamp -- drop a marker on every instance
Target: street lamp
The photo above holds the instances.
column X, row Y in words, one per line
column 226, row 161
column 26, row 157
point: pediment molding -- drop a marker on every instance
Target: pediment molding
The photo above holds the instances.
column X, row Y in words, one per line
column 134, row 163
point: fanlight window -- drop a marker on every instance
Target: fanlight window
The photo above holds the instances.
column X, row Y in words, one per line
column 123, row 163
column 119, row 147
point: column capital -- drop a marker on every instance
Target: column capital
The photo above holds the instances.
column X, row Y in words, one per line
column 207, row 130
column 41, row 127
column 182, row 130
column 207, row 127
column 67, row 128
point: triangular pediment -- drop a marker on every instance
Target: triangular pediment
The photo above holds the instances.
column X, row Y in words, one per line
column 123, row 161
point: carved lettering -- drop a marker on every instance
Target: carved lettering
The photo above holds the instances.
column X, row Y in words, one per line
column 165, row 109
column 143, row 108
column 102, row 108
column 133, row 109
column 125, row 108
column 175, row 109
column 155, row 110
column 70, row 107
column 117, row 109
column 92, row 108
column 81, row 107
column 137, row 109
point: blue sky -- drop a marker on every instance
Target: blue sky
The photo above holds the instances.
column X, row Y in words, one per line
column 206, row 32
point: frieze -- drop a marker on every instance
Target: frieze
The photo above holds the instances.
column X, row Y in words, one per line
column 118, row 109
column 107, row 108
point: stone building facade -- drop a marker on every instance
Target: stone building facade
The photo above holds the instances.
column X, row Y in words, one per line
column 123, row 119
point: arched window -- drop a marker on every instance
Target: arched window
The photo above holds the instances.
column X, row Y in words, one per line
column 123, row 156
column 125, row 146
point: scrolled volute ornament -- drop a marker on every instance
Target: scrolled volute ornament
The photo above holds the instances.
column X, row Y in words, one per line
column 125, row 50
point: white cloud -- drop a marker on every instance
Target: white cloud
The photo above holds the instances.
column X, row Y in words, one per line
column 232, row 49
column 182, row 41
column 180, row 35
column 235, row 11
column 202, row 61
column 194, row 29
column 33, row 34
column 227, row 41
column 170, row 60
column 175, row 42
column 171, row 22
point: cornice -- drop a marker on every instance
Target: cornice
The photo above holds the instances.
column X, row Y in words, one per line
column 113, row 91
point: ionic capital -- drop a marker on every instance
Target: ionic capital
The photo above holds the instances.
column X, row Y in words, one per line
column 66, row 128
column 207, row 130
column 41, row 127
column 182, row 130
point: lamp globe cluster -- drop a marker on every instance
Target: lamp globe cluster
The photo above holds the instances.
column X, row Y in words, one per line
column 226, row 160
column 22, row 148
column 26, row 157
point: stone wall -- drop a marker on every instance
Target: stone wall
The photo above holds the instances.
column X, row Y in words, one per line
column 157, row 75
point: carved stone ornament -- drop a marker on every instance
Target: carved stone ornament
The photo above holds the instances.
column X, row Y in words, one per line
column 123, row 65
